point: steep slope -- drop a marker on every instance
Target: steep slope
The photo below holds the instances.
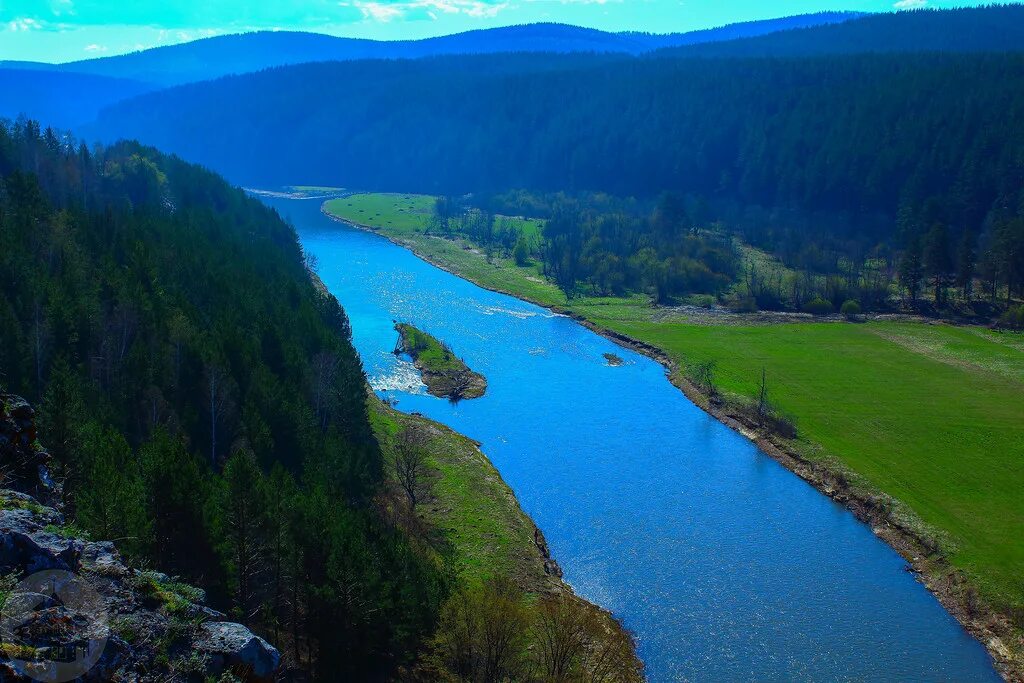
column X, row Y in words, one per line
column 201, row 398
column 243, row 53
column 74, row 591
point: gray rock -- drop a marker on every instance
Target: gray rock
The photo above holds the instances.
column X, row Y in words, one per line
column 102, row 557
column 26, row 546
column 101, row 600
column 231, row 645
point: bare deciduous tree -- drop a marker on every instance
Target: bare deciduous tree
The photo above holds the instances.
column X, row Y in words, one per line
column 561, row 633
column 411, row 463
column 762, row 396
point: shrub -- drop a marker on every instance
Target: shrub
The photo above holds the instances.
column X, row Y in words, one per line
column 850, row 308
column 701, row 300
column 521, row 252
column 818, row 306
column 743, row 304
column 1013, row 318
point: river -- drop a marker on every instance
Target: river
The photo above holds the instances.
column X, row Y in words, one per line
column 725, row 565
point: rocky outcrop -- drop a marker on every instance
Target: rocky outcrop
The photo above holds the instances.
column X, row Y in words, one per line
column 234, row 647
column 70, row 608
column 24, row 463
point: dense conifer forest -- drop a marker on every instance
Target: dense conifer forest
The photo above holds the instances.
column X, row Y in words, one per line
column 201, row 398
column 843, row 165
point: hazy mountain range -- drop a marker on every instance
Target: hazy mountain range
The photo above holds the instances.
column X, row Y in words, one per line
column 69, row 95
column 242, row 53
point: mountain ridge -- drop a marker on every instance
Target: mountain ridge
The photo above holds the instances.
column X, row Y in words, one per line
column 240, row 53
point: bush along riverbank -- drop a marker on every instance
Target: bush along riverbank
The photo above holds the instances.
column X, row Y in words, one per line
column 975, row 593
column 444, row 492
column 445, row 374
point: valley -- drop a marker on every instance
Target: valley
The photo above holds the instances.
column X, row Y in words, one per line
column 636, row 424
column 890, row 408
column 599, row 342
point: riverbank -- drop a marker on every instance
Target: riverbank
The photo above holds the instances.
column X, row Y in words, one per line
column 470, row 519
column 852, row 416
column 445, row 374
column 470, row 522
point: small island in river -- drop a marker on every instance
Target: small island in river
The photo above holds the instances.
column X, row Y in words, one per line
column 444, row 373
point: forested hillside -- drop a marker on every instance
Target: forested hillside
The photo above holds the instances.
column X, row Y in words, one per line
column 995, row 28
column 758, row 132
column 201, row 398
column 817, row 159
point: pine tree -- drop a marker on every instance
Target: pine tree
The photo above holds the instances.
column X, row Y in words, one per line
column 911, row 271
column 242, row 526
column 965, row 264
column 937, row 263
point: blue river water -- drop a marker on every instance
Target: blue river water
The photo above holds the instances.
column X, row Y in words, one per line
column 726, row 566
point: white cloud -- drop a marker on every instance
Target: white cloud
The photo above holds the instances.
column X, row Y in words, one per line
column 95, row 47
column 387, row 11
column 910, row 4
column 23, row 24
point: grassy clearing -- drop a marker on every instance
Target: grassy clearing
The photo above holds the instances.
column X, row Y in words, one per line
column 478, row 523
column 402, row 213
column 932, row 415
column 428, row 351
column 404, row 219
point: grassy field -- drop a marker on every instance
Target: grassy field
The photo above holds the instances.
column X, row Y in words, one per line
column 403, row 218
column 477, row 523
column 932, row 415
column 402, row 213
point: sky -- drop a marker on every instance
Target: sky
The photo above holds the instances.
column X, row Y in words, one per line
column 68, row 30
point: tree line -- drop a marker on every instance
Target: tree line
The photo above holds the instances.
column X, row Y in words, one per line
column 837, row 164
column 600, row 245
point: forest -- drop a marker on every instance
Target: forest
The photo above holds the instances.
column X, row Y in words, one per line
column 200, row 397
column 995, row 28
column 670, row 249
column 203, row 405
column 847, row 167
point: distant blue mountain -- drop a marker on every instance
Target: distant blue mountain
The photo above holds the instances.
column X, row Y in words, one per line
column 61, row 100
column 244, row 53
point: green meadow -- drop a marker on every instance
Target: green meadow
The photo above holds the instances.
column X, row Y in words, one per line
column 404, row 219
column 429, row 351
column 475, row 522
column 930, row 414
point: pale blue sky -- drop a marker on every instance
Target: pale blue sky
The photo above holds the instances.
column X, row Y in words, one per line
column 65, row 30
